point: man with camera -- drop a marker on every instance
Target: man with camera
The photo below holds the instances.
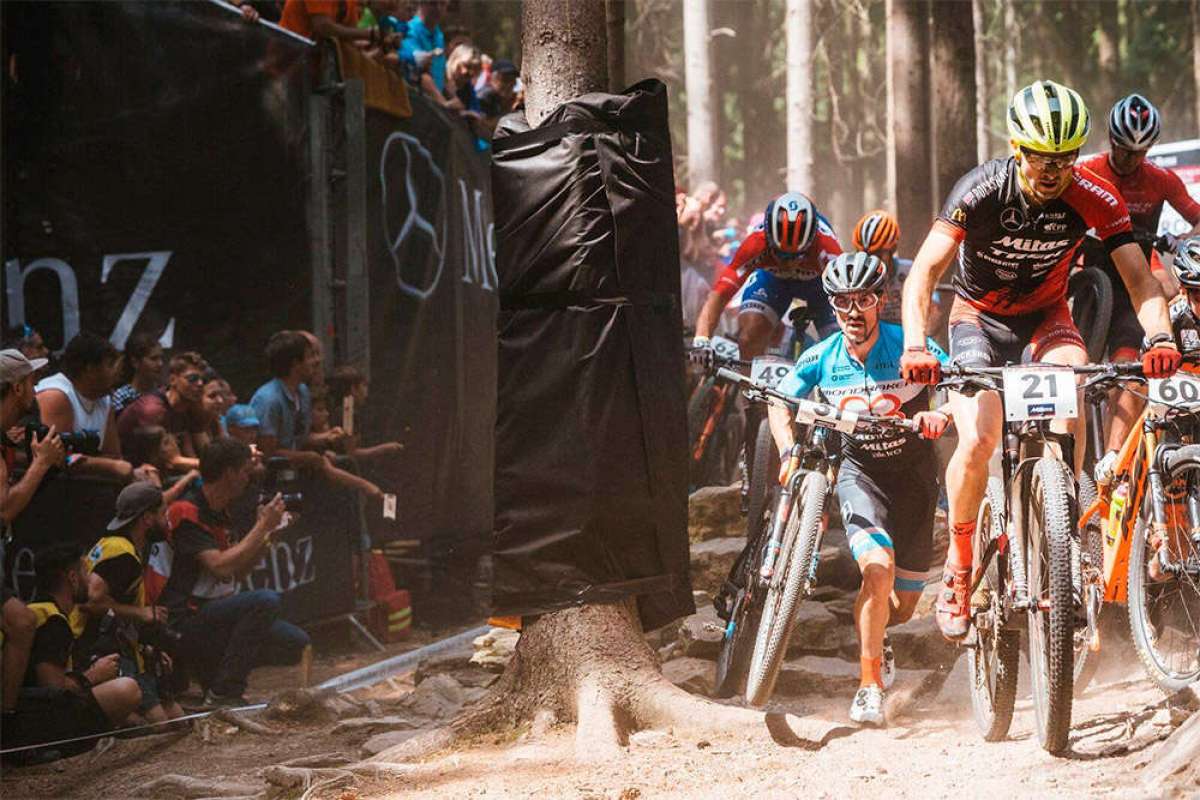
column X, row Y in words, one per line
column 120, row 620
column 225, row 633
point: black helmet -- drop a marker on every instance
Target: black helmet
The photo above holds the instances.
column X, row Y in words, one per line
column 1187, row 263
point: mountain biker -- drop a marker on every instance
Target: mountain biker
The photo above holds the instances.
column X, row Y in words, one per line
column 782, row 260
column 1185, row 309
column 1133, row 128
column 887, row 482
column 1014, row 225
column 878, row 232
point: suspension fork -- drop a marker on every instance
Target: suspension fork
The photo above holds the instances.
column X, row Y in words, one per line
column 783, row 510
column 1016, row 518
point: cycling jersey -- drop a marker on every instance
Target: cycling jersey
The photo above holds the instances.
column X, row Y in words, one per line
column 755, row 255
column 1186, row 327
column 875, row 388
column 1014, row 257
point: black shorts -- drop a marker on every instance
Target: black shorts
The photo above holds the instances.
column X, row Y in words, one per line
column 48, row 715
column 893, row 510
column 980, row 339
column 1124, row 330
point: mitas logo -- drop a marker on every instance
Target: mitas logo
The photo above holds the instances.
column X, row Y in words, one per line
column 1032, row 245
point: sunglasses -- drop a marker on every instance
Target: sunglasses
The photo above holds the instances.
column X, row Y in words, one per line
column 1042, row 162
column 195, row 377
column 843, row 302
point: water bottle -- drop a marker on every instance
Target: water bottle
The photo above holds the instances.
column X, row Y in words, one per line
column 1116, row 510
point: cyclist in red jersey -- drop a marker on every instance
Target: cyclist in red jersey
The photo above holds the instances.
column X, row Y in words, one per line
column 1014, row 225
column 1133, row 128
column 783, row 260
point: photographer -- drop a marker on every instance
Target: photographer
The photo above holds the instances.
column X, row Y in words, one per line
column 225, row 634
column 16, row 400
column 120, row 621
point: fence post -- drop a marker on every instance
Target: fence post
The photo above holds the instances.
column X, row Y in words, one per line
column 357, row 336
column 319, row 222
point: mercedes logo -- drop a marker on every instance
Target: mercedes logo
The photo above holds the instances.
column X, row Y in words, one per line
column 1012, row 219
column 418, row 249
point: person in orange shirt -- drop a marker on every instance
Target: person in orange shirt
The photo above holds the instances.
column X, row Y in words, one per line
column 332, row 19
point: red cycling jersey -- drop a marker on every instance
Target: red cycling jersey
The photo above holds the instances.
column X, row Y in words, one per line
column 1144, row 191
column 754, row 255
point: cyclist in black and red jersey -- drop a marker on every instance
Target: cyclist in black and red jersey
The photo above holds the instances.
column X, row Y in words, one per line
column 1133, row 128
column 1014, row 225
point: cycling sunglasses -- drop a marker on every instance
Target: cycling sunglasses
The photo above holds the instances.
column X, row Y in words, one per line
column 844, row 302
column 1042, row 162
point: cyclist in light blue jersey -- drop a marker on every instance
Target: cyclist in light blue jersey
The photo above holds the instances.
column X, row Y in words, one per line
column 887, row 482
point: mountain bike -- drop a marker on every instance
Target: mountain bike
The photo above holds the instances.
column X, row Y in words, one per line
column 1144, row 530
column 1026, row 570
column 778, row 566
column 715, row 428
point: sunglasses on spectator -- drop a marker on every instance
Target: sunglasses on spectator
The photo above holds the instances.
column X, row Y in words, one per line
column 845, row 302
column 1042, row 162
column 195, row 377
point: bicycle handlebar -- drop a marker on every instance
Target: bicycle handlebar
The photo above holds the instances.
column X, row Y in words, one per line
column 957, row 377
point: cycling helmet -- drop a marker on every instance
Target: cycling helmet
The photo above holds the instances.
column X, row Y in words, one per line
column 854, row 272
column 1047, row 117
column 790, row 224
column 876, row 231
column 1134, row 123
column 1187, row 263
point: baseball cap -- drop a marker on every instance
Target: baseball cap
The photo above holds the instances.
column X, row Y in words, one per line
column 503, row 66
column 133, row 501
column 241, row 416
column 14, row 366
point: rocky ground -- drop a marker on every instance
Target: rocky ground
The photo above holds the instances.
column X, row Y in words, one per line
column 1127, row 739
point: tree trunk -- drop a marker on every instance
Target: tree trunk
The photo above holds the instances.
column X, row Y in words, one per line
column 953, row 84
column 1196, row 59
column 565, row 53
column 701, row 132
column 798, row 27
column 764, row 150
column 909, row 156
column 1108, row 55
column 1012, row 44
column 614, row 11
column 983, row 140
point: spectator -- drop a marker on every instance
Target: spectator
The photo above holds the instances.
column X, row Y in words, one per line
column 212, row 408
column 143, row 370
column 176, row 408
column 349, row 381
column 16, row 399
column 225, row 634
column 154, row 450
column 423, row 50
column 499, row 96
column 62, row 700
column 28, row 341
column 77, row 400
column 119, row 619
column 242, row 424
column 331, row 19
column 18, row 625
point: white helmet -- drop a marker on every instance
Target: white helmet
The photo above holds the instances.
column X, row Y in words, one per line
column 853, row 272
column 1134, row 123
column 1187, row 263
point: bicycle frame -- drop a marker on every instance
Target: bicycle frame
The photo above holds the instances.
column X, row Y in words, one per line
column 804, row 457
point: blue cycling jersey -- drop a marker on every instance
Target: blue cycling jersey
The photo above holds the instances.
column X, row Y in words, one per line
column 873, row 388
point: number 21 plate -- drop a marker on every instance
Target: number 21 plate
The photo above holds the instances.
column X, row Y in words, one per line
column 1038, row 392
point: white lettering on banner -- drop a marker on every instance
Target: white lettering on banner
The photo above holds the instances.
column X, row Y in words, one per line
column 287, row 566
column 479, row 262
column 23, row 576
column 156, row 265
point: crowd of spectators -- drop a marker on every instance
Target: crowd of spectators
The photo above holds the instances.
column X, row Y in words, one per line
column 708, row 238
column 107, row 641
column 408, row 36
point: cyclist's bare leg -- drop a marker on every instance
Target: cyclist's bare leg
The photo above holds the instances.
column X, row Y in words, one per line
column 1124, row 407
column 1070, row 354
column 754, row 333
column 904, row 604
column 873, row 609
column 979, row 420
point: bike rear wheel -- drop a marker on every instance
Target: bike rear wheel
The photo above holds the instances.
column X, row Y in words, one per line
column 764, row 476
column 993, row 663
column 1090, row 295
column 1052, row 618
column 793, row 572
column 1164, row 610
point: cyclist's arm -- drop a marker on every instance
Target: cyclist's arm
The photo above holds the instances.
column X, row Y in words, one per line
column 1144, row 289
column 710, row 314
column 935, row 255
column 780, row 420
column 798, row 383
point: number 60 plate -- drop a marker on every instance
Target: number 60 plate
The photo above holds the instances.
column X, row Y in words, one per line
column 1038, row 392
column 1180, row 389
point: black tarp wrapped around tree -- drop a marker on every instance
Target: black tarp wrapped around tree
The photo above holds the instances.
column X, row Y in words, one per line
column 591, row 464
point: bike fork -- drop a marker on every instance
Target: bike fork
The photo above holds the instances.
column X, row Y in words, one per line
column 779, row 520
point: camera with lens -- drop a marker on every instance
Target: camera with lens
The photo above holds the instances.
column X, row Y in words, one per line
column 281, row 478
column 83, row 442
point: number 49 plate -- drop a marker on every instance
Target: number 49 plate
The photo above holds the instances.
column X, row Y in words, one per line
column 1037, row 392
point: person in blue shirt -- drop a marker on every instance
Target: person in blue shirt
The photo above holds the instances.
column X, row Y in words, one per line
column 423, row 50
column 887, row 482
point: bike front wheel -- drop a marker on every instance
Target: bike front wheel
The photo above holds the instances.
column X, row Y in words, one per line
column 793, row 572
column 1049, row 526
column 764, row 475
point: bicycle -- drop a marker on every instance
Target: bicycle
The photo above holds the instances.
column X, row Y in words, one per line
column 1148, row 543
column 778, row 567
column 1025, row 572
column 715, row 431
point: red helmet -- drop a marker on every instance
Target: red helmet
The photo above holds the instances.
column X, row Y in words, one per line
column 790, row 224
column 876, row 231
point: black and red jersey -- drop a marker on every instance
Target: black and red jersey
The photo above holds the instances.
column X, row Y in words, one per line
column 1015, row 257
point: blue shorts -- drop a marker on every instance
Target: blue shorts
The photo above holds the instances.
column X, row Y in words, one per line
column 771, row 296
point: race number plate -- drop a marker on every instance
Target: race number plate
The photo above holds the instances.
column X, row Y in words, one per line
column 770, row 370
column 725, row 348
column 1180, row 389
column 1036, row 392
column 826, row 416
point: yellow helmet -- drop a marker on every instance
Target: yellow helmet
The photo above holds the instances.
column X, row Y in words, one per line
column 1047, row 117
